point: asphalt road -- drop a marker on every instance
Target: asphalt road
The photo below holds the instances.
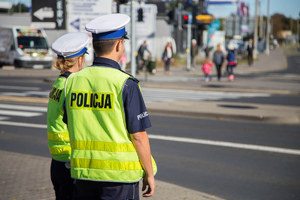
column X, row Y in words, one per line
column 231, row 173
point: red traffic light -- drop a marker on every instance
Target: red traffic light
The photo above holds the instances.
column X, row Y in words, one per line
column 185, row 17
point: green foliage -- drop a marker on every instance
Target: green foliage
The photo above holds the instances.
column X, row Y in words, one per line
column 20, row 7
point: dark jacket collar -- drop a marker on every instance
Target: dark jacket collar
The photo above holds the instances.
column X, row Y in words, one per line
column 105, row 62
column 66, row 74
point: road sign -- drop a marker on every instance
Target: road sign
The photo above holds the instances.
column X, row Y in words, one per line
column 204, row 19
column 80, row 12
column 190, row 18
column 48, row 14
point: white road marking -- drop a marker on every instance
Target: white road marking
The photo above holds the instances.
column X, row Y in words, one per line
column 9, row 87
column 19, row 113
column 187, row 140
column 4, row 118
column 19, row 107
column 227, row 144
column 44, row 94
column 30, row 125
column 159, row 94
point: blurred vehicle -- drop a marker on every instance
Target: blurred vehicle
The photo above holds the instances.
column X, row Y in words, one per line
column 24, row 47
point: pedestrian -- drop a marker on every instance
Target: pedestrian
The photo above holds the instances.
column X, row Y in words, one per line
column 70, row 49
column 140, row 56
column 194, row 53
column 107, row 119
column 168, row 56
column 231, row 62
column 250, row 48
column 218, row 59
column 206, row 51
column 123, row 61
column 206, row 68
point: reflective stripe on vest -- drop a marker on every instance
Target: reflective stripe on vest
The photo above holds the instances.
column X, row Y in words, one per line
column 101, row 145
column 59, row 150
column 58, row 136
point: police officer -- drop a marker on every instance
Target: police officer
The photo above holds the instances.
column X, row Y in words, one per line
column 70, row 49
column 107, row 119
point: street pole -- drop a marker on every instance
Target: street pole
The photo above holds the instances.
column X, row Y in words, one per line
column 132, row 38
column 188, row 40
column 255, row 31
column 298, row 37
column 261, row 22
column 268, row 30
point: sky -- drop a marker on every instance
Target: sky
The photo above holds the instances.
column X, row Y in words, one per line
column 289, row 8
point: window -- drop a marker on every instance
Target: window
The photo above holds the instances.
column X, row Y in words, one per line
column 32, row 42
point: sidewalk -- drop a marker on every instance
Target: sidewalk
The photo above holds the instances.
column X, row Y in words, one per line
column 27, row 177
column 180, row 78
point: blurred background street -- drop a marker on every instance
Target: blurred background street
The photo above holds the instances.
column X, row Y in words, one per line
column 211, row 139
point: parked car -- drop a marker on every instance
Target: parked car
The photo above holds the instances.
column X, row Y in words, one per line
column 24, row 47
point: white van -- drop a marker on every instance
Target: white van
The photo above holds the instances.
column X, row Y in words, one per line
column 24, row 47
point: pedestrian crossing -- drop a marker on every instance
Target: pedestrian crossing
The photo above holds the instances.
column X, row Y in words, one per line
column 8, row 111
column 44, row 94
column 165, row 95
column 23, row 91
column 161, row 95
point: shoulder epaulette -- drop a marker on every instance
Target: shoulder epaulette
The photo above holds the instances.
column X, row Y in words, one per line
column 132, row 77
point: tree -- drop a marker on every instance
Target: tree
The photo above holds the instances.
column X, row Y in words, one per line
column 20, row 7
column 280, row 23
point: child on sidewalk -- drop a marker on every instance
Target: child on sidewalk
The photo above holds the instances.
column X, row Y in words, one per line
column 206, row 68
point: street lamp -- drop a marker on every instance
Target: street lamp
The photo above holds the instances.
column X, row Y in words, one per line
column 255, row 31
column 268, row 30
column 132, row 38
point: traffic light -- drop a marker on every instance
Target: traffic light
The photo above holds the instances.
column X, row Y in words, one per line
column 140, row 15
column 188, row 4
column 171, row 15
column 185, row 19
column 121, row 1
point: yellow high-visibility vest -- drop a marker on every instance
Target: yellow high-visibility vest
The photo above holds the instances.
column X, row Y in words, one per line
column 100, row 143
column 58, row 136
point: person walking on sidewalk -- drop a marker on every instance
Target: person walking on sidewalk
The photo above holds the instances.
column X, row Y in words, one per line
column 194, row 53
column 140, row 56
column 206, row 68
column 218, row 59
column 107, row 119
column 168, row 56
column 70, row 49
column 231, row 62
column 250, row 48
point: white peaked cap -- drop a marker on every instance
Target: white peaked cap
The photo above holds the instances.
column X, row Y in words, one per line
column 71, row 44
column 108, row 26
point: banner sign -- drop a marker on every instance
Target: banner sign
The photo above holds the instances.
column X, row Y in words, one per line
column 80, row 12
column 213, row 27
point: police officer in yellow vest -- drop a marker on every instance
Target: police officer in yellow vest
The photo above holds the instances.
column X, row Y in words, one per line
column 107, row 118
column 70, row 49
